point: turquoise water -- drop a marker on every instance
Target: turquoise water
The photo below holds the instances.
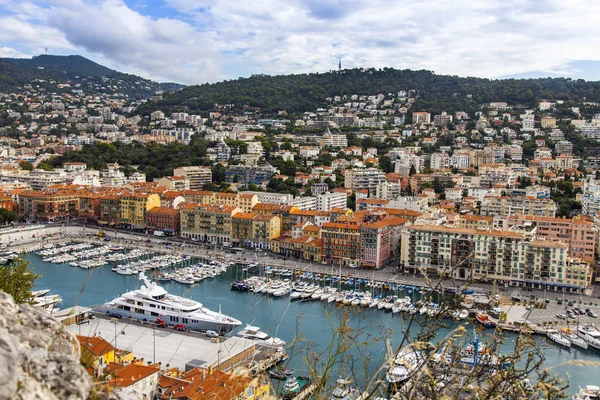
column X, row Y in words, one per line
column 312, row 323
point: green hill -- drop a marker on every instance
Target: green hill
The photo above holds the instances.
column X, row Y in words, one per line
column 307, row 92
column 92, row 77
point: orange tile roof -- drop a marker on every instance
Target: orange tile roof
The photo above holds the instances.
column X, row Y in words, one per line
column 163, row 210
column 95, row 344
column 132, row 373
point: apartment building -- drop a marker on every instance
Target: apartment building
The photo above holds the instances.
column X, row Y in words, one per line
column 207, row 222
column 270, row 197
column 283, row 211
column 503, row 206
column 481, row 157
column 505, row 257
column 440, row 161
column 245, row 174
column 341, row 243
column 333, row 140
column 164, row 219
column 564, row 147
column 365, row 178
column 460, row 160
column 254, row 230
column 47, row 206
column 379, row 241
column 421, row 117
column 175, row 182
column 329, row 201
column 579, row 232
column 134, row 207
column 110, row 208
column 196, row 177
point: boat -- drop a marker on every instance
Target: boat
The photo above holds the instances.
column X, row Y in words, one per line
column 590, row 334
column 464, row 314
column 574, row 339
column 405, row 364
column 485, row 320
column 239, row 285
column 478, row 354
column 294, row 386
column 254, row 333
column 40, row 293
column 152, row 302
column 343, row 391
column 590, row 392
column 558, row 338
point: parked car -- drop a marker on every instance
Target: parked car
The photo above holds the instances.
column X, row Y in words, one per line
column 561, row 316
column 592, row 314
column 179, row 327
column 212, row 334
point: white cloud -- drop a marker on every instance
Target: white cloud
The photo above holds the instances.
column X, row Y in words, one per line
column 204, row 40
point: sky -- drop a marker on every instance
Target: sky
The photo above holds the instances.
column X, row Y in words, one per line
column 198, row 41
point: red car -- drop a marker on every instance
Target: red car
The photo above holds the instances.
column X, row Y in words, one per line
column 179, row 327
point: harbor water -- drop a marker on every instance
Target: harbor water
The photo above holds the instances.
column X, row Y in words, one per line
column 312, row 323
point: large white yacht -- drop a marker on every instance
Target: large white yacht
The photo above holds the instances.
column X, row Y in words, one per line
column 590, row 334
column 151, row 302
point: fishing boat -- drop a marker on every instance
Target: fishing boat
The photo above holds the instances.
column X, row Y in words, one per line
column 559, row 339
column 464, row 314
column 485, row 320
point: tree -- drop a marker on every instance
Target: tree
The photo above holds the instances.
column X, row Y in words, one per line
column 385, row 163
column 218, row 173
column 26, row 165
column 412, row 171
column 17, row 279
column 7, row 216
column 330, row 183
column 45, row 166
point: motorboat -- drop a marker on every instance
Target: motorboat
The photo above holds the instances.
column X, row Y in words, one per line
column 152, row 302
column 590, row 392
column 405, row 364
column 344, row 391
column 294, row 386
column 590, row 334
column 574, row 339
column 464, row 314
column 485, row 320
column 254, row 333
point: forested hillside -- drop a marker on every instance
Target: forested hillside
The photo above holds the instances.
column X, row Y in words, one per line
column 16, row 72
column 307, row 92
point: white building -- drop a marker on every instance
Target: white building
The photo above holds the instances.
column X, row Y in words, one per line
column 304, row 203
column 328, row 201
column 197, row 176
column 460, row 160
column 271, row 198
column 440, row 161
column 366, row 178
column 591, row 197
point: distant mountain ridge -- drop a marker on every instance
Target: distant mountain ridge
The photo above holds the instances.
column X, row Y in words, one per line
column 16, row 72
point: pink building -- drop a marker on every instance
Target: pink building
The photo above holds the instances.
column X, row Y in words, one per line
column 578, row 232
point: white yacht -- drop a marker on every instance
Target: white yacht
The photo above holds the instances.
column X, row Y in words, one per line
column 151, row 302
column 590, row 334
column 406, row 363
column 254, row 333
column 590, row 392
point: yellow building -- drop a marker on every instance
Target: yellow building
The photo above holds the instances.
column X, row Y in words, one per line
column 207, row 222
column 95, row 353
column 134, row 207
column 548, row 122
column 254, row 230
column 283, row 211
column 243, row 201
